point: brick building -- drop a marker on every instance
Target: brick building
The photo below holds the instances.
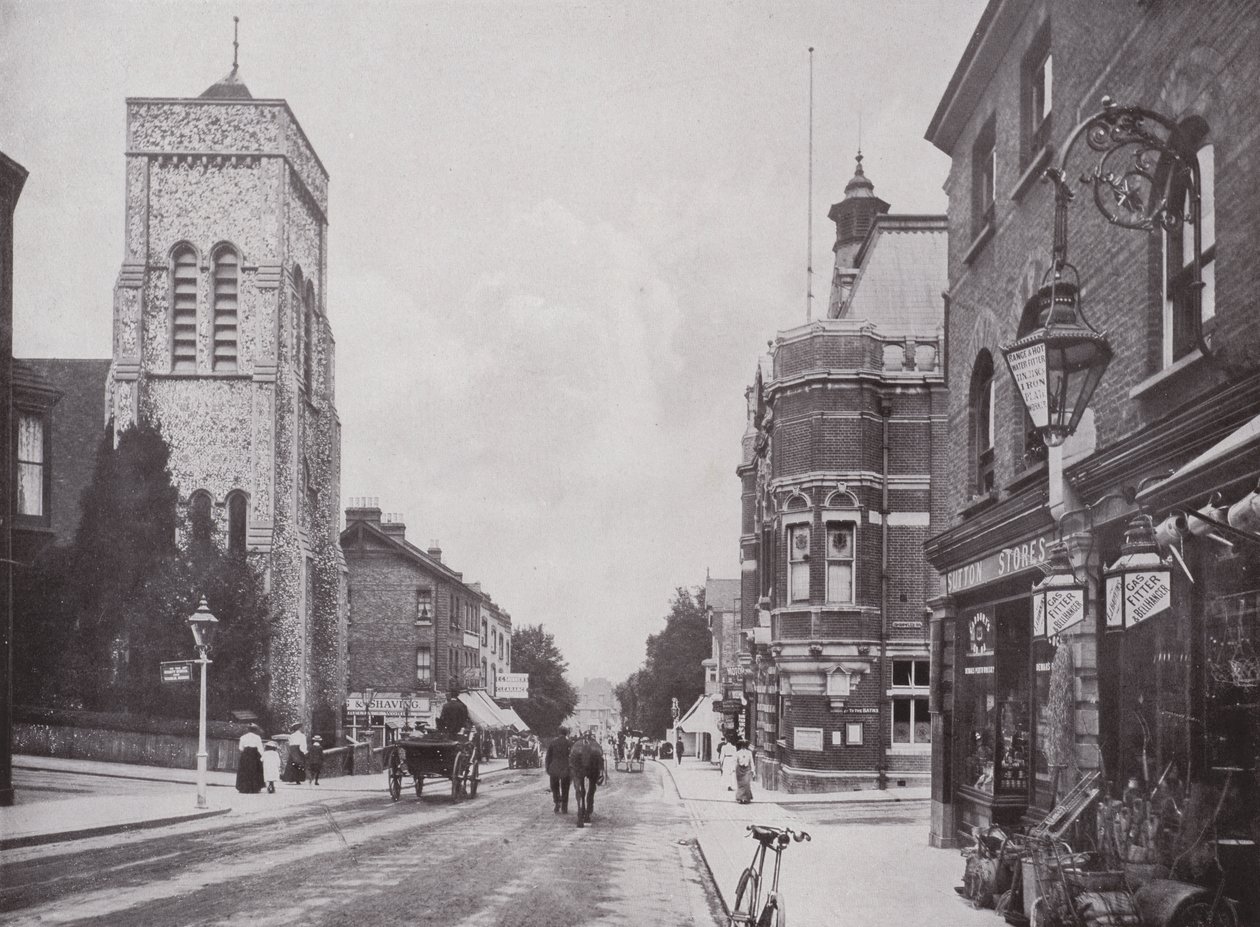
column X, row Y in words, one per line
column 1019, row 715
column 838, row 474
column 415, row 625
column 496, row 644
column 12, row 179
column 723, row 671
column 222, row 339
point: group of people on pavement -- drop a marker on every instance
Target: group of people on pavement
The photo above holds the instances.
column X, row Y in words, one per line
column 259, row 762
column 577, row 762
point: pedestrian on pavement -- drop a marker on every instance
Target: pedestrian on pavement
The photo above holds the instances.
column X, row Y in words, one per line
column 315, row 759
column 271, row 764
column 557, row 765
column 726, row 761
column 295, row 771
column 745, row 773
column 678, row 749
column 586, row 766
column 249, row 771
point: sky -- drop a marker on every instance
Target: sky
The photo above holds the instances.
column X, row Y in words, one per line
column 560, row 234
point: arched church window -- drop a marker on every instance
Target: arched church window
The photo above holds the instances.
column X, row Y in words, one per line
column 200, row 521
column 308, row 336
column 227, row 266
column 184, row 308
column 237, row 506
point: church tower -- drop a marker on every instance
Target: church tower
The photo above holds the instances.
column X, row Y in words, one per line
column 222, row 338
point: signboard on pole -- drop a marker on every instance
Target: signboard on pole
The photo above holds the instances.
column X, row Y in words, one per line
column 512, row 685
column 177, row 671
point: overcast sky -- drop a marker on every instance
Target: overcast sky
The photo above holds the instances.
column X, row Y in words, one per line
column 560, row 234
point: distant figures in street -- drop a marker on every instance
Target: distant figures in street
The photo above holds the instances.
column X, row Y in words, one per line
column 249, row 768
column 295, row 769
column 271, row 764
column 678, row 749
column 557, row 764
column 745, row 772
column 586, row 766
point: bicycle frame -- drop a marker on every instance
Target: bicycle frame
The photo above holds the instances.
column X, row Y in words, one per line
column 751, row 909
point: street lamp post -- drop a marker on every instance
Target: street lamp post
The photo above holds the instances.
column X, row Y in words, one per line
column 368, row 695
column 203, row 624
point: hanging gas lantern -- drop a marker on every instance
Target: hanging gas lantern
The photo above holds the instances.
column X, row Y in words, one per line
column 1057, row 366
column 1058, row 600
column 1139, row 584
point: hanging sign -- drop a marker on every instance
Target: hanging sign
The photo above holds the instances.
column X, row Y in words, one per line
column 1064, row 608
column 177, row 671
column 1028, row 367
column 1039, row 617
column 512, row 685
column 1134, row 596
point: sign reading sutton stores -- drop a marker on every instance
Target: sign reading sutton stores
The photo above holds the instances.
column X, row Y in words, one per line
column 1006, row 562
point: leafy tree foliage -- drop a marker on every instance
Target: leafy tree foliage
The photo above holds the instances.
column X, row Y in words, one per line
column 96, row 618
column 672, row 669
column 552, row 697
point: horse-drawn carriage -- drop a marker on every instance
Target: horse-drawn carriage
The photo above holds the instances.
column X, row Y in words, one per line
column 524, row 755
column 630, row 752
column 434, row 756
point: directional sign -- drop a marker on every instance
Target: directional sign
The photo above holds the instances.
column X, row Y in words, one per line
column 177, row 671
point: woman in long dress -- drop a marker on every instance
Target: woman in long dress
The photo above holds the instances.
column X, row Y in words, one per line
column 744, row 773
column 726, row 756
column 249, row 771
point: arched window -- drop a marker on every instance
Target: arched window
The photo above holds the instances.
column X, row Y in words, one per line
column 982, row 423
column 200, row 521
column 1180, row 326
column 184, row 308
column 308, row 336
column 227, row 267
column 236, row 507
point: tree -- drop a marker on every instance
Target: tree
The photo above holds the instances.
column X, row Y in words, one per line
column 102, row 613
column 551, row 697
column 672, row 669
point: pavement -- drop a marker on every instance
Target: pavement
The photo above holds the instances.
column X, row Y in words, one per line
column 139, row 797
column 868, row 860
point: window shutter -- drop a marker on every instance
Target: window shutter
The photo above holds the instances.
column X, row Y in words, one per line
column 184, row 311
column 226, row 285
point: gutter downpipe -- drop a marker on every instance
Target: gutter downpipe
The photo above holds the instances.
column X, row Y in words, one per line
column 885, row 411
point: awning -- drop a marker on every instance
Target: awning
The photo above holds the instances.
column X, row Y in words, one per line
column 514, row 718
column 482, row 711
column 700, row 719
column 1233, row 458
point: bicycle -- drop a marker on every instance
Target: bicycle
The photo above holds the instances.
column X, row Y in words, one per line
column 747, row 909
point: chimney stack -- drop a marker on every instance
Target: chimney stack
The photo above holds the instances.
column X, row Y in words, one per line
column 435, row 551
column 393, row 525
column 364, row 508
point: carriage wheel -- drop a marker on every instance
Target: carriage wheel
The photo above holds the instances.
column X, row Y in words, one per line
column 470, row 781
column 458, row 769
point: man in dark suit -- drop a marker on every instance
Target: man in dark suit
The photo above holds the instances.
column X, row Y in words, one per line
column 557, row 763
column 454, row 716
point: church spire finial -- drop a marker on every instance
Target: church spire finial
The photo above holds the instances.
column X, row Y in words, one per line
column 236, row 33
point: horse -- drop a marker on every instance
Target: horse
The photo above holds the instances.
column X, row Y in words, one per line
column 586, row 765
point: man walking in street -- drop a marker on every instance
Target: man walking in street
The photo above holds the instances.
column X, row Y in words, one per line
column 557, row 763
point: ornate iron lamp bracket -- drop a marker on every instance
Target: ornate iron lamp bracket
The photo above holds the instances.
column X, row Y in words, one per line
column 1139, row 163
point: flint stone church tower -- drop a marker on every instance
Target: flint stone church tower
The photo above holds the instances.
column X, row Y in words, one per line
column 221, row 337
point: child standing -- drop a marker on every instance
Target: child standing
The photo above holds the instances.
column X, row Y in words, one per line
column 271, row 765
column 315, row 758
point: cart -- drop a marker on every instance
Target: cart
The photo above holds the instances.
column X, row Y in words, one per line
column 434, row 757
column 523, row 757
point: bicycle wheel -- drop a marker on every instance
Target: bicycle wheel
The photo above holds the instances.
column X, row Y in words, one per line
column 774, row 914
column 1200, row 914
column 744, row 911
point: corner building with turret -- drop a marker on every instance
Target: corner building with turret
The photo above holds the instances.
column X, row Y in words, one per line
column 840, row 469
column 222, row 339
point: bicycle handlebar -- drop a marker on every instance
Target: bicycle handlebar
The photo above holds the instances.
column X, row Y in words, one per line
column 766, row 830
